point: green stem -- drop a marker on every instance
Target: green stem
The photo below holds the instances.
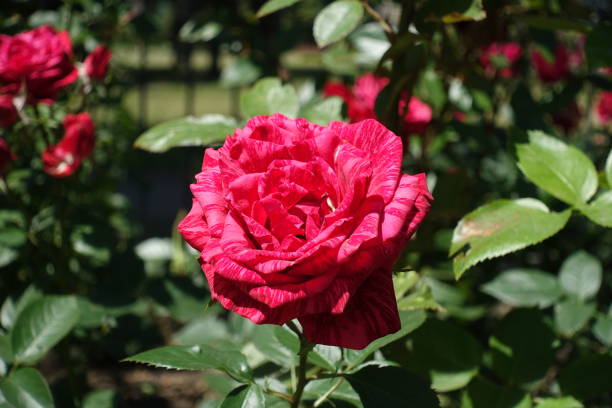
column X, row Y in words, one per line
column 305, row 347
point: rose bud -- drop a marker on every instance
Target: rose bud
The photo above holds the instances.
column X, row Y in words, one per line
column 96, row 63
column 41, row 59
column 552, row 71
column 604, row 107
column 500, row 58
column 297, row 221
column 64, row 158
column 8, row 112
column 6, row 156
column 416, row 117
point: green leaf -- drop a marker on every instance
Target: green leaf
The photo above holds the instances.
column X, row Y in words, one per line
column 602, row 329
column 600, row 209
column 100, row 399
column 453, row 11
column 207, row 329
column 444, row 352
column 392, row 387
column 269, row 96
column 323, row 112
column 336, row 21
column 563, row 402
column 420, row 298
column 580, row 275
column 587, row 376
column 41, row 325
column 370, row 42
column 344, row 392
column 557, row 168
column 197, row 357
column 26, row 388
column 244, row 396
column 502, row 227
column 267, row 340
column 555, row 23
column 517, row 357
column 572, row 315
column 410, row 320
column 481, row 393
column 271, row 6
column 431, row 88
column 194, row 31
column 240, row 72
column 597, row 47
column 608, row 169
column 404, row 281
column 190, row 131
column 524, row 287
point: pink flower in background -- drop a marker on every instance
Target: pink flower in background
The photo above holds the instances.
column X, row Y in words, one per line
column 294, row 220
column 64, row 158
column 96, row 63
column 6, row 156
column 8, row 112
column 555, row 70
column 361, row 101
column 40, row 60
column 604, row 107
column 500, row 58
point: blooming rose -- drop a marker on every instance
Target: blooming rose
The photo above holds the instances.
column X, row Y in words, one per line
column 555, row 70
column 500, row 58
column 40, row 59
column 294, row 220
column 64, row 158
column 604, row 107
column 361, row 101
column 6, row 156
column 96, row 63
column 8, row 112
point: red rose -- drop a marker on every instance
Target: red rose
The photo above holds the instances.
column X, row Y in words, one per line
column 64, row 158
column 294, row 220
column 604, row 107
column 6, row 156
column 555, row 70
column 8, row 112
column 41, row 59
column 96, row 63
column 361, row 100
column 500, row 58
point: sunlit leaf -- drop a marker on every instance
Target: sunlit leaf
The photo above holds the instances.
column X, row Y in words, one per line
column 271, row 6
column 524, row 287
column 336, row 21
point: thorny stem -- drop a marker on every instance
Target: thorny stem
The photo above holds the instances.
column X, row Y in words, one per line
column 305, row 347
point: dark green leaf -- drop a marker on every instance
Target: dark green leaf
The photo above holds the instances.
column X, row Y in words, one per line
column 190, row 131
column 501, row 227
column 600, row 209
column 240, row 72
column 557, row 168
column 269, row 96
column 245, row 396
column 580, row 275
column 563, row 402
column 597, row 47
column 555, row 23
column 197, row 357
column 392, row 387
column 411, row 320
column 572, row 315
column 524, row 287
column 100, row 399
column 587, row 376
column 482, row 393
column 602, row 329
column 518, row 357
column 323, row 112
column 448, row 354
column 336, row 21
column 41, row 325
column 271, row 6
column 26, row 388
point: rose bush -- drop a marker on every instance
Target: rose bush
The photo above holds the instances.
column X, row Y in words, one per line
column 500, row 58
column 361, row 100
column 294, row 220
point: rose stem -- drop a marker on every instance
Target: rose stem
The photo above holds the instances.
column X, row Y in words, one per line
column 305, row 347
